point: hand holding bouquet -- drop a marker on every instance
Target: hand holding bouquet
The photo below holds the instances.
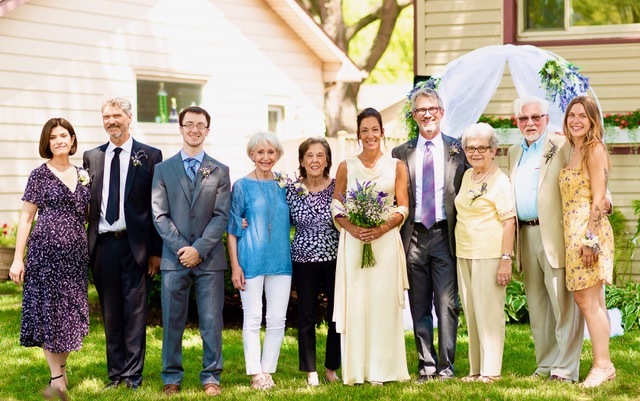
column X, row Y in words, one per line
column 365, row 207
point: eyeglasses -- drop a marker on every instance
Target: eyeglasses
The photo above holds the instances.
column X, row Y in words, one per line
column 480, row 149
column 535, row 118
column 432, row 111
column 199, row 126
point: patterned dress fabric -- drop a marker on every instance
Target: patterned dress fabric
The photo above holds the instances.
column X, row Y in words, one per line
column 575, row 189
column 369, row 301
column 316, row 239
column 55, row 311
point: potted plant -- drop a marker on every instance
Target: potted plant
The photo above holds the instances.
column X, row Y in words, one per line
column 7, row 248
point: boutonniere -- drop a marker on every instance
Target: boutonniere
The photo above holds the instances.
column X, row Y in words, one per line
column 454, row 149
column 83, row 177
column 473, row 194
column 138, row 157
column 281, row 179
column 206, row 170
column 300, row 188
column 548, row 155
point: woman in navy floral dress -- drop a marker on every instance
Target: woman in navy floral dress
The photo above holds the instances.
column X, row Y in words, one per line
column 314, row 250
column 55, row 313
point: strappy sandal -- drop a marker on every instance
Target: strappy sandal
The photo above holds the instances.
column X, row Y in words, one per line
column 51, row 392
column 64, row 373
column 488, row 379
column 598, row 377
column 470, row 378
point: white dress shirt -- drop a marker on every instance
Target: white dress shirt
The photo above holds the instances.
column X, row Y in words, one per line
column 125, row 156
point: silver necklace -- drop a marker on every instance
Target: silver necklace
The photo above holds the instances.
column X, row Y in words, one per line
column 481, row 178
column 266, row 201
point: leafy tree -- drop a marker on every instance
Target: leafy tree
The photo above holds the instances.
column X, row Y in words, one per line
column 340, row 97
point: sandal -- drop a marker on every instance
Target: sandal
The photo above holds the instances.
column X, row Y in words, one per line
column 488, row 379
column 470, row 378
column 262, row 381
column 331, row 376
column 598, row 377
column 64, row 373
column 51, row 392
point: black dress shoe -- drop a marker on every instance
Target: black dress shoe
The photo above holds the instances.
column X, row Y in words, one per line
column 425, row 378
column 114, row 383
column 133, row 384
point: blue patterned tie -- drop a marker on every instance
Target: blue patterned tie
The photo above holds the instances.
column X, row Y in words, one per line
column 191, row 168
column 428, row 188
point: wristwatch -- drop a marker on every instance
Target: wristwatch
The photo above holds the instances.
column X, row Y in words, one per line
column 506, row 256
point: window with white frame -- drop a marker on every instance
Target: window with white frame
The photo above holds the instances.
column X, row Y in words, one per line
column 578, row 18
column 161, row 101
column 276, row 119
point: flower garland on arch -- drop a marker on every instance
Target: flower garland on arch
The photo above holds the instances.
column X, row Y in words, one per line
column 562, row 82
column 410, row 126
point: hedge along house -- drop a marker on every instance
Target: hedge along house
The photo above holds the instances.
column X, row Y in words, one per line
column 600, row 36
column 255, row 65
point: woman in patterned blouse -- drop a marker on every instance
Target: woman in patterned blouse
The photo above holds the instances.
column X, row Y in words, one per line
column 313, row 253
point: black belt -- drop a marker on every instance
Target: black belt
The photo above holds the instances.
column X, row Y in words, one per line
column 439, row 224
column 115, row 234
column 532, row 222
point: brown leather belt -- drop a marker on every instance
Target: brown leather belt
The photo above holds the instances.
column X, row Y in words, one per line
column 534, row 222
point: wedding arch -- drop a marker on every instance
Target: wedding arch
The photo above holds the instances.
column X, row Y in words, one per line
column 468, row 83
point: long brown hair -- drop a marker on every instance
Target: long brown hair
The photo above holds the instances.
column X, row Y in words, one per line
column 596, row 131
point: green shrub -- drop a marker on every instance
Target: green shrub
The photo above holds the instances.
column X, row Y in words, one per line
column 515, row 308
column 627, row 299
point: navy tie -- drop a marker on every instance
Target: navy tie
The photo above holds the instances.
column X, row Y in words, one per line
column 191, row 168
column 113, row 202
column 428, row 188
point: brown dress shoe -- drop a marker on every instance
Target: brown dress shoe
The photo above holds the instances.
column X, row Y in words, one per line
column 212, row 389
column 171, row 389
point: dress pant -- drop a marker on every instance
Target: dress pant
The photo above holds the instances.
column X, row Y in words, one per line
column 209, row 290
column 433, row 282
column 122, row 287
column 557, row 324
column 277, row 289
column 483, row 304
column 310, row 279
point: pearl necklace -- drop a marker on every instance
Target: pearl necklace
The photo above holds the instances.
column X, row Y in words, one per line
column 481, row 178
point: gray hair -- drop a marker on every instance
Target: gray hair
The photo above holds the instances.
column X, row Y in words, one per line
column 262, row 138
column 480, row 131
column 521, row 102
column 426, row 92
column 119, row 102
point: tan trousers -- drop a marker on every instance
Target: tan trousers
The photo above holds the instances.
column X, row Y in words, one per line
column 556, row 322
column 483, row 304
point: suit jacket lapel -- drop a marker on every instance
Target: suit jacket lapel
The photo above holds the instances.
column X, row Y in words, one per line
column 181, row 176
column 410, row 157
column 98, row 174
column 448, row 161
column 131, row 170
column 207, row 162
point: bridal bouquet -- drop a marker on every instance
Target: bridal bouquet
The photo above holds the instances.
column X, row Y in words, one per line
column 368, row 208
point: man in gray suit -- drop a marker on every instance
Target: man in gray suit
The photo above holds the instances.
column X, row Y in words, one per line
column 436, row 164
column 191, row 200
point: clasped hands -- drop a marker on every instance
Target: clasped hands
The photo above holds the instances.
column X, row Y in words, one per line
column 189, row 256
column 365, row 234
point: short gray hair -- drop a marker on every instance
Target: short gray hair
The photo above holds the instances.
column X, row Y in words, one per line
column 264, row 138
column 119, row 102
column 480, row 131
column 426, row 92
column 520, row 102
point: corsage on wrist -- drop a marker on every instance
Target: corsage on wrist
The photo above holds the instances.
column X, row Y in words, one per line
column 591, row 241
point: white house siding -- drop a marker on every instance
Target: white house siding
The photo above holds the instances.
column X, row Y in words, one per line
column 64, row 57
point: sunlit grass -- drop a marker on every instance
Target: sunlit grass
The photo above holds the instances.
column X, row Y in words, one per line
column 25, row 372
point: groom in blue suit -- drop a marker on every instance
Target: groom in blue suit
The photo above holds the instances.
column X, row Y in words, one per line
column 190, row 203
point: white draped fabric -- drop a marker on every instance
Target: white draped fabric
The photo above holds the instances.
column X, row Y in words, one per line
column 469, row 82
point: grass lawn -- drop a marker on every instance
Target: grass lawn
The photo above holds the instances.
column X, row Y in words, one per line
column 25, row 372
